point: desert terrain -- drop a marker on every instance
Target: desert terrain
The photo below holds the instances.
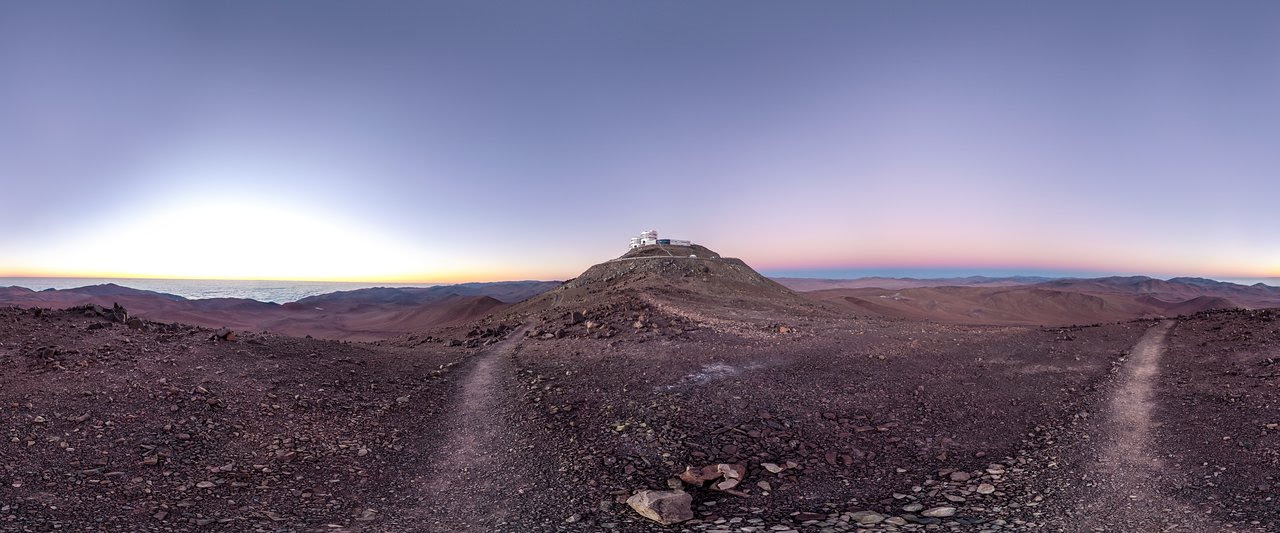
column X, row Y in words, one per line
column 1027, row 301
column 360, row 315
column 739, row 404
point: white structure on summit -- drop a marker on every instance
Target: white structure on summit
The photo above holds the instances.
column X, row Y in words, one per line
column 650, row 238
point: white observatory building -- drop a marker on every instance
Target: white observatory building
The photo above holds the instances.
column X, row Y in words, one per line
column 650, row 238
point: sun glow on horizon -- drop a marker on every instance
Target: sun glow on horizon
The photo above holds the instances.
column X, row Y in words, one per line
column 193, row 236
column 244, row 240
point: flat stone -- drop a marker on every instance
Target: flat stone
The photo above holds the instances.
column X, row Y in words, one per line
column 663, row 506
column 867, row 518
column 939, row 512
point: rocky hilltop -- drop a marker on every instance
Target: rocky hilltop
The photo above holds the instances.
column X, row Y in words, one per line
column 665, row 290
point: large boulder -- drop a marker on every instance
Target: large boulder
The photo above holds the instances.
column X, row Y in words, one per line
column 663, row 506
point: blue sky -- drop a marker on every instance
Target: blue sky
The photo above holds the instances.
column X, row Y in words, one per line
column 437, row 141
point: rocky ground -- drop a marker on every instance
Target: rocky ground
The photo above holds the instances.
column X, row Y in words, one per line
column 1219, row 409
column 151, row 427
column 829, row 418
column 761, row 414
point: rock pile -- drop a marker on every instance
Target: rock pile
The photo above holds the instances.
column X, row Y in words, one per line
column 223, row 334
column 627, row 316
column 117, row 313
column 722, row 477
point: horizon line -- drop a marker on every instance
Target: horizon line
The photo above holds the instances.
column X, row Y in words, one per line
column 293, row 280
column 814, row 274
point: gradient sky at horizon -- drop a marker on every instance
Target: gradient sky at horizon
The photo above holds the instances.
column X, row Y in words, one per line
column 476, row 140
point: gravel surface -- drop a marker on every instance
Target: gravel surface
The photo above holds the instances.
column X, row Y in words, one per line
column 548, row 417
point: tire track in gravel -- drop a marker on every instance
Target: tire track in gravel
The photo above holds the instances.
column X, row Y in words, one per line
column 464, row 488
column 1128, row 475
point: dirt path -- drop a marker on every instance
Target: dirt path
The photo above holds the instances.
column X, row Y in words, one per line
column 1129, row 475
column 465, row 486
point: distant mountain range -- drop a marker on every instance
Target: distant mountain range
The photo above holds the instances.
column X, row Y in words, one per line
column 384, row 312
column 362, row 314
column 876, row 282
column 1029, row 300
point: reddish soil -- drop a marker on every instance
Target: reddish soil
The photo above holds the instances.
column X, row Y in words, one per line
column 546, row 415
column 818, row 284
column 1219, row 413
column 1022, row 305
column 160, row 428
column 359, row 315
column 1129, row 475
column 1024, row 301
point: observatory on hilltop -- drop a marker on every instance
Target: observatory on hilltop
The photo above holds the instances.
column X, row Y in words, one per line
column 650, row 238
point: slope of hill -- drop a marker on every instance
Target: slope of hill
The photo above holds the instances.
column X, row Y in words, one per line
column 157, row 428
column 665, row 288
column 815, row 284
column 1248, row 296
column 364, row 314
column 1060, row 302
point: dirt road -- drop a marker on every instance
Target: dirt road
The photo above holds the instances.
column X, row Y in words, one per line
column 1129, row 474
column 465, row 486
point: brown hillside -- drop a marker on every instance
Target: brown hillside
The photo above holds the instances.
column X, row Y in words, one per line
column 664, row 288
column 362, row 315
column 1023, row 305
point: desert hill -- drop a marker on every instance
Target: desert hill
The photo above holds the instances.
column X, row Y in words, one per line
column 1176, row 289
column 875, row 282
column 1011, row 306
column 664, row 288
column 364, row 314
column 1056, row 302
column 691, row 268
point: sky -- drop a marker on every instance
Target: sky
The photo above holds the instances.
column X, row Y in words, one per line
column 478, row 140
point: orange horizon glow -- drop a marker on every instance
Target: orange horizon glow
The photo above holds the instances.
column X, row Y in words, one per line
column 440, row 279
column 1030, row 266
column 270, row 241
column 487, row 276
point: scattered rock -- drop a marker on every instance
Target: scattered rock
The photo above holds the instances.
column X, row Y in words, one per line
column 732, row 471
column 939, row 512
column 732, row 474
column 699, row 476
column 867, row 518
column 223, row 334
column 663, row 506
